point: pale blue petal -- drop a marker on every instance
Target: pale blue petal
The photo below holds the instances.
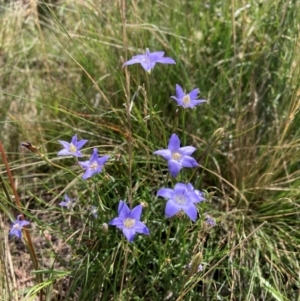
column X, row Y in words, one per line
column 187, row 150
column 102, row 160
column 194, row 198
column 174, row 167
column 85, row 164
column 165, row 60
column 167, row 193
column 64, row 152
column 129, row 233
column 174, row 143
column 123, row 210
column 23, row 223
column 64, row 144
column 165, row 153
column 154, row 56
column 180, row 188
column 117, row 222
column 172, row 208
column 94, row 156
column 179, row 92
column 136, row 212
column 141, row 228
column 131, row 62
column 177, row 99
column 187, row 161
column 77, row 154
column 194, row 103
column 74, row 139
column 147, row 65
column 193, row 94
column 80, row 143
column 88, row 173
column 191, row 212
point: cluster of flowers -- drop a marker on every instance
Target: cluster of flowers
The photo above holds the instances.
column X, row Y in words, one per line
column 182, row 197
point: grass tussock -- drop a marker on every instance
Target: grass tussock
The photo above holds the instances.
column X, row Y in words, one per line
column 61, row 74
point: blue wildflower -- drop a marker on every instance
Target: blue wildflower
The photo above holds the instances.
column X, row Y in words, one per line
column 16, row 229
column 180, row 198
column 149, row 59
column 72, row 148
column 188, row 100
column 177, row 156
column 94, row 165
column 67, row 202
column 129, row 221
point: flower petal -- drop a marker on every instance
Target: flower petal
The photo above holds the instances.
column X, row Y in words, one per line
column 147, row 65
column 123, row 210
column 81, row 143
column 88, row 173
column 188, row 161
column 156, row 55
column 191, row 212
column 165, row 153
column 85, row 164
column 187, row 150
column 165, row 60
column 196, row 102
column 136, row 212
column 174, row 143
column 65, row 144
column 174, row 167
column 194, row 93
column 172, row 208
column 102, row 160
column 167, row 193
column 180, row 188
column 117, row 222
column 141, row 228
column 23, row 223
column 64, row 152
column 132, row 61
column 177, row 99
column 179, row 92
column 129, row 233
column 94, row 156
column 74, row 139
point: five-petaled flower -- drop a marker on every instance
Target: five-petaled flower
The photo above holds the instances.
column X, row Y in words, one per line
column 94, row 165
column 72, row 148
column 17, row 226
column 68, row 202
column 149, row 59
column 177, row 156
column 188, row 100
column 182, row 197
column 129, row 221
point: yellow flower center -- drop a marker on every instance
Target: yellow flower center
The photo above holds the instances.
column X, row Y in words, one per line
column 129, row 222
column 186, row 99
column 94, row 166
column 176, row 156
column 73, row 148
